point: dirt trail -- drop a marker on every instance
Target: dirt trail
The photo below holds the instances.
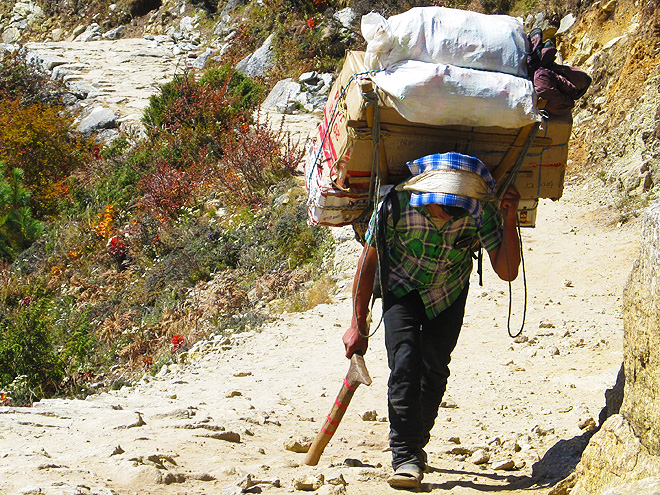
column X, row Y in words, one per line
column 177, row 433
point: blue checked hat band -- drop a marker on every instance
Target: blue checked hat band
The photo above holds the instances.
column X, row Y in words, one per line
column 450, row 179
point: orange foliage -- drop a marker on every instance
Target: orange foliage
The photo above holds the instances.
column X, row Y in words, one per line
column 41, row 140
column 104, row 228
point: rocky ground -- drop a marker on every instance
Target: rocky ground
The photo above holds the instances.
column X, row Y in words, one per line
column 236, row 410
column 231, row 419
column 117, row 75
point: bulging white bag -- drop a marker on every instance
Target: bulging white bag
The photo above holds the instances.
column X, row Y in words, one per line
column 441, row 35
column 440, row 94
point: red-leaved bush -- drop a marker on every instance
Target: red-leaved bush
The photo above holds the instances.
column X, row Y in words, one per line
column 168, row 187
column 256, row 157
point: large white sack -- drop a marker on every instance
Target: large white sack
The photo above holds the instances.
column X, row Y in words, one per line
column 440, row 94
column 441, row 35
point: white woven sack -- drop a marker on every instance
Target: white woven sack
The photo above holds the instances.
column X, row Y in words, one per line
column 439, row 94
column 441, row 35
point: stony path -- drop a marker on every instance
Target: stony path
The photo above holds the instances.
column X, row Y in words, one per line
column 120, row 75
column 204, row 427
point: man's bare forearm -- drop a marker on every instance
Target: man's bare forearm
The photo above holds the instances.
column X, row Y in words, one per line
column 354, row 339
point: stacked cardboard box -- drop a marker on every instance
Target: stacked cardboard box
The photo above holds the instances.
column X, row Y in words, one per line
column 340, row 164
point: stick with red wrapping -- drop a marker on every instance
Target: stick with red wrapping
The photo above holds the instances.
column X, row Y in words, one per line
column 357, row 374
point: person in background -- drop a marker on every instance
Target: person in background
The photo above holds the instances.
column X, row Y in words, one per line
column 560, row 85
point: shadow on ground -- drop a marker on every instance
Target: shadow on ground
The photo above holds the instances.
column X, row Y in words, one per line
column 557, row 463
column 560, row 460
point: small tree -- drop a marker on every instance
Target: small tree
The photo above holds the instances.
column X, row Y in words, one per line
column 18, row 229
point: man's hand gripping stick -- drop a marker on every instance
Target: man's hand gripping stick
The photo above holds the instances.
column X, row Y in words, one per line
column 357, row 374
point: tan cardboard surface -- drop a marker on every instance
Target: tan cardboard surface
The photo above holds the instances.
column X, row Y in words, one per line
column 348, row 147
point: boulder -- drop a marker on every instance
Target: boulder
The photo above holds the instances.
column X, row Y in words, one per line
column 260, row 62
column 187, row 24
column 115, row 34
column 283, row 93
column 99, row 118
column 567, row 22
column 201, row 60
column 346, row 17
column 57, row 34
column 11, row 35
column 23, row 9
column 627, row 447
column 92, row 33
column 77, row 31
column 231, row 5
column 584, row 50
column 608, row 6
column 80, row 89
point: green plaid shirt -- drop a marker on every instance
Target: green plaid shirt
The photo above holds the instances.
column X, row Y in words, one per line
column 425, row 258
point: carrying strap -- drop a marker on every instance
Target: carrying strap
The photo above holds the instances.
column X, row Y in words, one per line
column 390, row 206
column 371, row 98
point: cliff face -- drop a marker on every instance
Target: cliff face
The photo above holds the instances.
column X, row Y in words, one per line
column 617, row 124
column 627, row 447
column 617, row 139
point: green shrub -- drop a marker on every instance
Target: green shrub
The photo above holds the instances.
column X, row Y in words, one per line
column 26, row 348
column 209, row 104
column 244, row 92
column 18, row 229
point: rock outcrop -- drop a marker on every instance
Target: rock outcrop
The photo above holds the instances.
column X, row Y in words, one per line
column 310, row 94
column 616, row 42
column 626, row 450
column 259, row 62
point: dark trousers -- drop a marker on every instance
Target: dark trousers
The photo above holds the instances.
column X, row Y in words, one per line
column 418, row 354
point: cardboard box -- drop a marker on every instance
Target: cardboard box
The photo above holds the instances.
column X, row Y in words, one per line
column 346, row 158
column 327, row 204
column 527, row 213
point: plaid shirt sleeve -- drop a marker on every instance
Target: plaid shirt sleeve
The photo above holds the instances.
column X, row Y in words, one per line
column 491, row 233
column 370, row 236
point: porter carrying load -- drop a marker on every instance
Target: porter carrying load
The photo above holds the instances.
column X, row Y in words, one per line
column 440, row 106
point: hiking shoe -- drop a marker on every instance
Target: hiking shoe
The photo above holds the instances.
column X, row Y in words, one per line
column 425, row 460
column 406, row 476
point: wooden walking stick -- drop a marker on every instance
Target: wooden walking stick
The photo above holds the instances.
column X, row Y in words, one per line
column 357, row 374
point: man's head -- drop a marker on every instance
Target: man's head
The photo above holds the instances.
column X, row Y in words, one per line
column 445, row 212
column 450, row 180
